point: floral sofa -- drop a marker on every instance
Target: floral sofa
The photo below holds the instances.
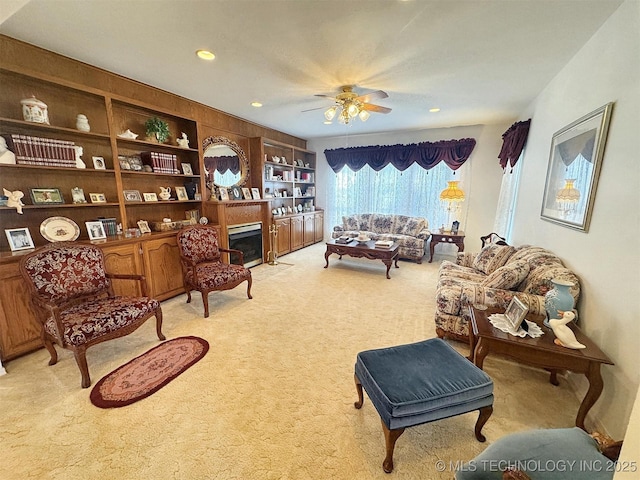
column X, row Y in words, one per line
column 492, row 278
column 411, row 233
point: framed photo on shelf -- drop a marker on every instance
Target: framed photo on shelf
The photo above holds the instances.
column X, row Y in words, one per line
column 132, row 196
column 236, row 193
column 515, row 313
column 135, row 162
column 143, row 225
column 224, row 194
column 77, row 195
column 19, row 239
column 181, row 193
column 246, row 193
column 96, row 230
column 124, row 162
column 255, row 193
column 186, row 169
column 46, row 196
column 150, row 197
column 98, row 163
column 97, row 198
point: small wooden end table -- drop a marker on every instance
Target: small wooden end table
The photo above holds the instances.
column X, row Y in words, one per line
column 484, row 339
column 454, row 238
column 366, row 250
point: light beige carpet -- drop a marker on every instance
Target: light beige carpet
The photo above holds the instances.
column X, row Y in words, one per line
column 273, row 398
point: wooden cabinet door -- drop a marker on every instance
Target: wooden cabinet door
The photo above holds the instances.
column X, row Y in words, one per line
column 19, row 329
column 297, row 232
column 124, row 259
column 309, row 228
column 283, row 239
column 162, row 267
column 319, row 227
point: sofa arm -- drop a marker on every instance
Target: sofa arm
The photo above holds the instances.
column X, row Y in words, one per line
column 424, row 234
column 498, row 298
column 466, row 259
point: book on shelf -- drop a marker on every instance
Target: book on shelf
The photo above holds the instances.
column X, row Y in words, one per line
column 384, row 243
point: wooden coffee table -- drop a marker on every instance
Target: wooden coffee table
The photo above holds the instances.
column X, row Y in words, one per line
column 364, row 250
column 540, row 352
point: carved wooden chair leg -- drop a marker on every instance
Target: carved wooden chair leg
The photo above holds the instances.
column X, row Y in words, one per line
column 483, row 416
column 249, row 281
column 81, row 359
column 390, row 437
column 50, row 348
column 158, row 315
column 188, row 294
column 205, row 301
column 360, row 401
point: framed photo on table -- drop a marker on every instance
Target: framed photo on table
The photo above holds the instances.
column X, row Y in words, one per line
column 515, row 313
column 574, row 167
column 19, row 239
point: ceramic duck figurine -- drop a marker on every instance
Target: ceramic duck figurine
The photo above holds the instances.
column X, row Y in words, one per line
column 564, row 335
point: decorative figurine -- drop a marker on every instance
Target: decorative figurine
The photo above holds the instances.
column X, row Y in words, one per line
column 7, row 157
column 14, row 199
column 33, row 110
column 165, row 193
column 128, row 135
column 79, row 150
column 82, row 123
column 564, row 335
column 184, row 141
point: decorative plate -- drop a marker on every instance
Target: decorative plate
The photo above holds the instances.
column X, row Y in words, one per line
column 204, row 220
column 59, row 229
column 363, row 240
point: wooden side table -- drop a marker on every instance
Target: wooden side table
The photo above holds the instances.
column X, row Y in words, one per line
column 456, row 239
column 484, row 339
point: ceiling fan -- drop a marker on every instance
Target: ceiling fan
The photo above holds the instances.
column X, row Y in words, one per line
column 349, row 105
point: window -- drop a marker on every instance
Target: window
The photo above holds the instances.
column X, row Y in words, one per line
column 414, row 192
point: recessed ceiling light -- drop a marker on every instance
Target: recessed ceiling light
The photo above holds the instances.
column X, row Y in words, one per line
column 205, row 54
column 327, row 122
column 256, row 104
column 434, row 109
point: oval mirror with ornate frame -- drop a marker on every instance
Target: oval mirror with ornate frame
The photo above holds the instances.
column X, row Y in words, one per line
column 225, row 162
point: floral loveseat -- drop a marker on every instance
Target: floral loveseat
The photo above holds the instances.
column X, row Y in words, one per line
column 411, row 233
column 492, row 277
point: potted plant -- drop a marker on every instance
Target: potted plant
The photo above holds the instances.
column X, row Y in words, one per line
column 157, row 129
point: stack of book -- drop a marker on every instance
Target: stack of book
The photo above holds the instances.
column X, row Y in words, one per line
column 110, row 226
column 384, row 243
column 47, row 152
column 161, row 162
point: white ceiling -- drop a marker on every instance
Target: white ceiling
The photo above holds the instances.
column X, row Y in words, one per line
column 480, row 61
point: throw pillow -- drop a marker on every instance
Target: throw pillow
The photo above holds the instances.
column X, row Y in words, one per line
column 507, row 277
column 492, row 257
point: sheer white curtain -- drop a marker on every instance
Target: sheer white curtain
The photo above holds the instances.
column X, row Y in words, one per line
column 507, row 201
column 414, row 192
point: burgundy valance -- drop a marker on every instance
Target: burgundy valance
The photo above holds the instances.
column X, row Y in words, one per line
column 426, row 154
column 222, row 164
column 513, row 141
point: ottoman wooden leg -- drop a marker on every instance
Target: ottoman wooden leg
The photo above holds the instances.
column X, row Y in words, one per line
column 485, row 413
column 360, row 401
column 390, row 437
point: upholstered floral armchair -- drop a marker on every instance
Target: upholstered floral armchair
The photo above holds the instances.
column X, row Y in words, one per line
column 202, row 267
column 74, row 300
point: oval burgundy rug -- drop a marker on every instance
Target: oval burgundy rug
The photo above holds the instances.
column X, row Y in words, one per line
column 148, row 373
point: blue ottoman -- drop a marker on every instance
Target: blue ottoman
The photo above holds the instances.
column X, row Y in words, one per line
column 419, row 383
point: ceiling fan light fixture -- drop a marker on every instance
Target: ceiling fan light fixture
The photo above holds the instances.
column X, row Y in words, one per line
column 364, row 115
column 353, row 110
column 330, row 113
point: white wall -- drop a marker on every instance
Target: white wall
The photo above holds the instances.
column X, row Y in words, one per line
column 607, row 258
column 482, row 184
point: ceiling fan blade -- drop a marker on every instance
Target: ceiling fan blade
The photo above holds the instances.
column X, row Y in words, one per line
column 325, row 96
column 311, row 109
column 367, row 97
column 375, row 108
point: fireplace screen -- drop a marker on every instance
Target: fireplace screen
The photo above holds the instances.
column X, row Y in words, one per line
column 247, row 239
